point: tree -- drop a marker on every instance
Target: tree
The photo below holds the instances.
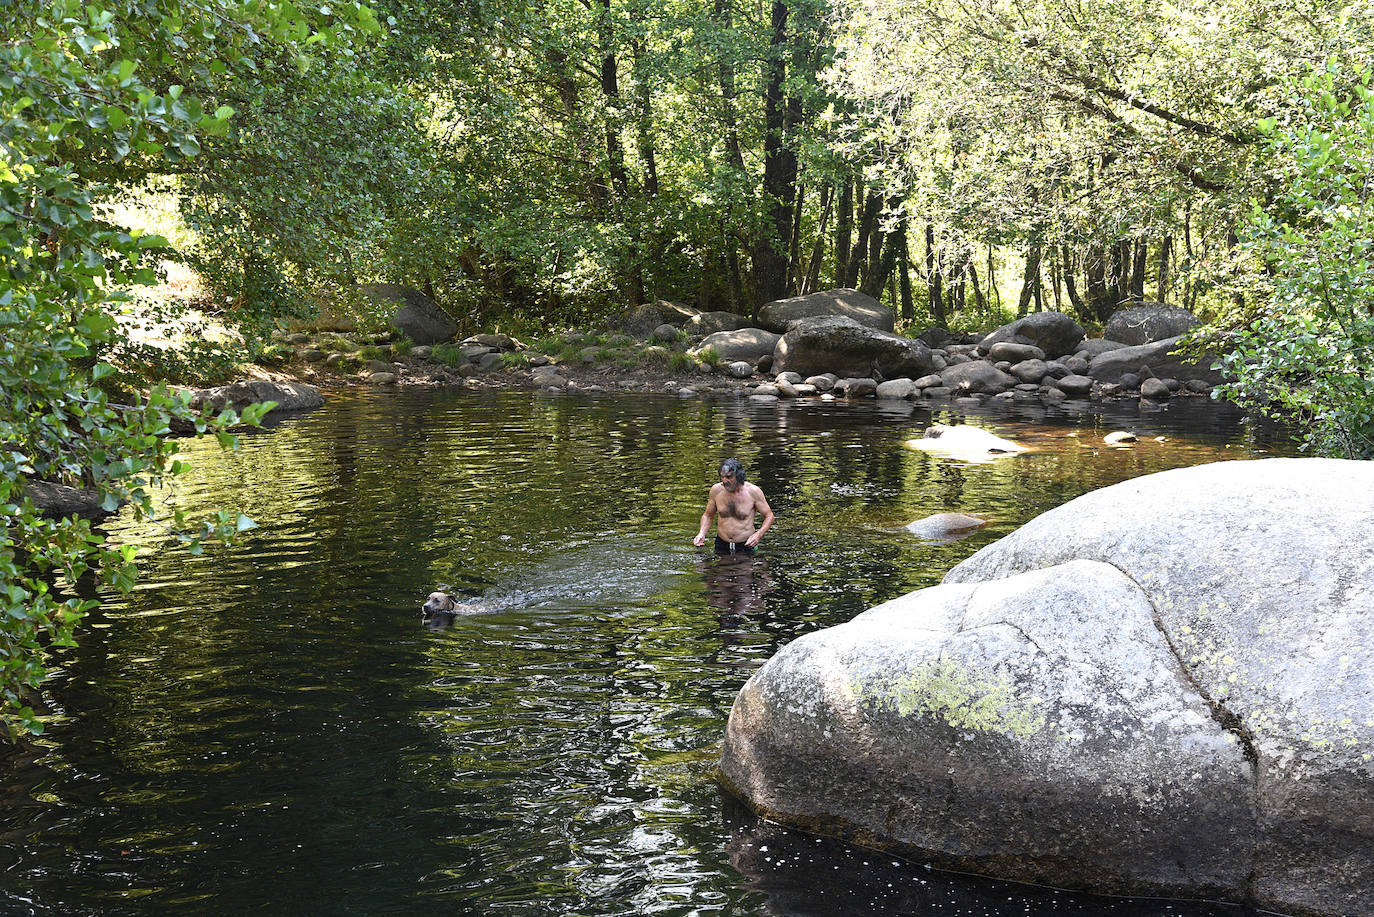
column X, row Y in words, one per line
column 1303, row 344
column 1086, row 127
column 77, row 116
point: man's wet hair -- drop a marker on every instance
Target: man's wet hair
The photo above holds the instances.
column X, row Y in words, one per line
column 732, row 466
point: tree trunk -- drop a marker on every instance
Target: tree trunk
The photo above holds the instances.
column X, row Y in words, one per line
column 979, row 302
column 1100, row 301
column 733, row 273
column 1030, row 278
column 779, row 172
column 794, row 262
column 868, row 222
column 904, row 275
column 1121, row 275
column 882, row 250
column 725, row 74
column 1166, row 250
column 955, row 287
column 615, row 148
column 993, row 292
column 650, row 161
column 610, row 87
column 1141, row 256
column 1071, row 285
column 844, row 230
column 813, row 271
column 1054, row 278
column 933, row 280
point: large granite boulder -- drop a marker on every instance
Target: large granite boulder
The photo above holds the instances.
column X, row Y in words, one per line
column 779, row 314
column 289, row 396
column 744, row 344
column 1162, row 359
column 710, row 322
column 1096, row 346
column 847, row 348
column 413, row 313
column 1164, row 685
column 641, row 321
column 1147, row 322
column 1053, row 332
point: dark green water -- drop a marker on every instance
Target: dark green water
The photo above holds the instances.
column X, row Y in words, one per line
column 271, row 729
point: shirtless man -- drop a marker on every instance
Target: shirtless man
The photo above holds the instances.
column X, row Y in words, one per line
column 734, row 502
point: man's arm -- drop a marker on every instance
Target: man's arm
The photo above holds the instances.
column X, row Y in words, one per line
column 761, row 506
column 707, row 517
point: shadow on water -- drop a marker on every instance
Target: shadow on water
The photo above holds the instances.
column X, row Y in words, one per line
column 803, row 876
column 269, row 728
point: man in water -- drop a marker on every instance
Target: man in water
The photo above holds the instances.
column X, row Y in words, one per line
column 733, row 503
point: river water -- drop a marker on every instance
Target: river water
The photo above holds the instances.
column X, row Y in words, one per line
column 270, row 728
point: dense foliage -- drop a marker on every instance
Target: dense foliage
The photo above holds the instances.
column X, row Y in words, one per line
column 1303, row 345
column 80, row 111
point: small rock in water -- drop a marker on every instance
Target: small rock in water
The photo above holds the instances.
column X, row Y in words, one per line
column 1155, row 390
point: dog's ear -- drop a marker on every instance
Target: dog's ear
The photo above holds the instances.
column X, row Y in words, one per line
column 450, row 603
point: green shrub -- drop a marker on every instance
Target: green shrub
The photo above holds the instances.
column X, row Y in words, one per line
column 680, row 362
column 446, row 354
column 1303, row 344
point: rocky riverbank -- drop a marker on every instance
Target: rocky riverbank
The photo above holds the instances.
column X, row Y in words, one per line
column 836, row 344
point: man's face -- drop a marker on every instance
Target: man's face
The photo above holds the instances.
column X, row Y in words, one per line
column 728, row 479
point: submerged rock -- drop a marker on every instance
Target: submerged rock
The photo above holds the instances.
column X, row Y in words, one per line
column 1161, row 686
column 945, row 526
column 964, row 442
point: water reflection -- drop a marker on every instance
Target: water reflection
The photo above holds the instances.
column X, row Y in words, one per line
column 736, row 585
column 271, row 728
column 802, row 876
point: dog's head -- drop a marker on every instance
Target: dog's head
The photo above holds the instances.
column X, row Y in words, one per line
column 439, row 603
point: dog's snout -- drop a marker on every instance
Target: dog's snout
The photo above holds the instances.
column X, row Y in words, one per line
column 439, row 603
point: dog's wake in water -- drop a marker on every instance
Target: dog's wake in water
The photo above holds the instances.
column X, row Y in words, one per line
column 590, row 575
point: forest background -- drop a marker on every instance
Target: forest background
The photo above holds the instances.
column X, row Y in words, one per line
column 543, row 163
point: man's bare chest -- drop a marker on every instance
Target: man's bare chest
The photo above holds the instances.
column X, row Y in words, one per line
column 736, row 507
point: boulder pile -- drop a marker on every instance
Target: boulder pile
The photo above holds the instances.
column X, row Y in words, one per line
column 841, row 342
